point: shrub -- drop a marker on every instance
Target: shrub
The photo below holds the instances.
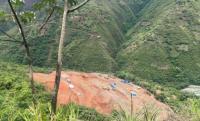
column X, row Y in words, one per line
column 147, row 113
column 125, row 75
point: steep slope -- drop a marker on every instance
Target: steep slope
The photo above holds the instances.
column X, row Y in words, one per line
column 164, row 44
column 16, row 98
column 95, row 35
column 76, row 87
column 15, row 93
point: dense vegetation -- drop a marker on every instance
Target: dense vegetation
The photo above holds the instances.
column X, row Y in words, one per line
column 16, row 100
column 16, row 103
column 164, row 44
column 94, row 37
column 153, row 42
column 161, row 44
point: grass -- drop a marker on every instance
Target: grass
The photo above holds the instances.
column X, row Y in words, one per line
column 15, row 91
column 185, row 106
column 161, row 43
column 16, row 99
column 154, row 42
column 147, row 113
column 71, row 112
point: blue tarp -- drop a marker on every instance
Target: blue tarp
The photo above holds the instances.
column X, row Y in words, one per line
column 113, row 85
column 125, row 81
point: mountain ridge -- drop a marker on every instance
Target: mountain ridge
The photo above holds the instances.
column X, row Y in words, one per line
column 152, row 39
column 165, row 47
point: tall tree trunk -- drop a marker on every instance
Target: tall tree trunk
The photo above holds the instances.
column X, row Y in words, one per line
column 25, row 43
column 59, row 61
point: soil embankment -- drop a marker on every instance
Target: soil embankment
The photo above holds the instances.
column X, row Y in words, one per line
column 101, row 92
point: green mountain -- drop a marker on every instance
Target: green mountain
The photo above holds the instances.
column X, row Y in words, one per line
column 155, row 43
column 152, row 39
column 164, row 43
column 95, row 34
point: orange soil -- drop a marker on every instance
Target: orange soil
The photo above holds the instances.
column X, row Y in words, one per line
column 93, row 90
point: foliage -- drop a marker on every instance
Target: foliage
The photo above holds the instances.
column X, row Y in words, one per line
column 27, row 17
column 15, row 94
column 123, row 116
column 16, row 100
column 125, row 75
column 160, row 51
column 191, row 109
column 42, row 113
column 164, row 44
column 96, row 41
column 2, row 15
column 164, row 92
column 18, row 3
column 147, row 113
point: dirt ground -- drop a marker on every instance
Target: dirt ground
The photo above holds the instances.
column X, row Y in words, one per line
column 101, row 92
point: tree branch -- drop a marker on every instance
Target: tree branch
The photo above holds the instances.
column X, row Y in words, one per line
column 78, row 6
column 8, row 35
column 48, row 18
column 7, row 40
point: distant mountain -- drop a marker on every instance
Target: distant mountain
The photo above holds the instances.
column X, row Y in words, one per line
column 95, row 36
column 164, row 44
column 152, row 39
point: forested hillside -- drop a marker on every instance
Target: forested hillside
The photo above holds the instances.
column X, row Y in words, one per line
column 94, row 37
column 164, row 43
column 151, row 45
column 152, row 39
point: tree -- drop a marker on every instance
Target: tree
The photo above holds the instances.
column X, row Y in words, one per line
column 25, row 43
column 68, row 8
column 22, row 18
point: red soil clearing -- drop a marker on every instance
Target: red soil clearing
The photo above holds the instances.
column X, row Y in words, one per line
column 94, row 90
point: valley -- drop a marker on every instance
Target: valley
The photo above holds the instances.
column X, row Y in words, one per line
column 154, row 44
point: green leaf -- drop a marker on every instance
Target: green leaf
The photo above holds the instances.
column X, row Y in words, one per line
column 2, row 16
column 27, row 17
column 18, row 3
column 43, row 4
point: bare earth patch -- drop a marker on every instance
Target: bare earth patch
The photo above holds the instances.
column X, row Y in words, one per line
column 94, row 90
